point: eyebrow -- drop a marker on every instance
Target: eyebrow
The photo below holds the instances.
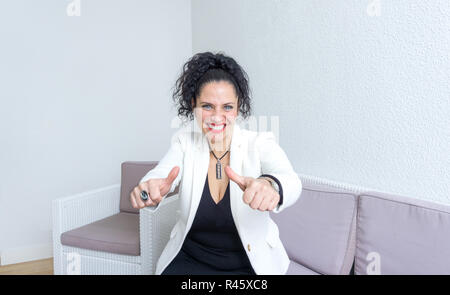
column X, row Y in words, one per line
column 205, row 102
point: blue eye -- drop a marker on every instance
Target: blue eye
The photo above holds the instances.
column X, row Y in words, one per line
column 206, row 107
column 228, row 107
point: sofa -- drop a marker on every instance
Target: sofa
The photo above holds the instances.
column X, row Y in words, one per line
column 333, row 229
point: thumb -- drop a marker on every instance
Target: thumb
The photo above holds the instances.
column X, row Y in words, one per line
column 172, row 175
column 240, row 180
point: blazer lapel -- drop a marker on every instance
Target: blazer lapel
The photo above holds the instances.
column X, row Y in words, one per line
column 236, row 154
column 199, row 169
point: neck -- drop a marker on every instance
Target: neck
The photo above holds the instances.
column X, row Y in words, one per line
column 219, row 148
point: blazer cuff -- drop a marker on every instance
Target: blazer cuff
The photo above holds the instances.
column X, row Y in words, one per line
column 279, row 186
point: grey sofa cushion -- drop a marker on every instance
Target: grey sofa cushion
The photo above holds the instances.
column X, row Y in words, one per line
column 400, row 235
column 318, row 230
column 298, row 269
column 118, row 234
column 132, row 172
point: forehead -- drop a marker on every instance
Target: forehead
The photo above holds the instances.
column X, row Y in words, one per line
column 218, row 92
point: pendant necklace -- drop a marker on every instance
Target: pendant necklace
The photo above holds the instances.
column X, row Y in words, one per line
column 219, row 165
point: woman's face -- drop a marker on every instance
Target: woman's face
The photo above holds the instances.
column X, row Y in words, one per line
column 217, row 107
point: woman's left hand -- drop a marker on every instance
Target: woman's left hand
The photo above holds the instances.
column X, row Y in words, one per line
column 258, row 193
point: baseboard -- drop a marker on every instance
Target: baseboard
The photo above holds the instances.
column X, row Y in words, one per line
column 25, row 254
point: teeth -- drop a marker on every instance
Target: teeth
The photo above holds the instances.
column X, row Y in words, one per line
column 217, row 127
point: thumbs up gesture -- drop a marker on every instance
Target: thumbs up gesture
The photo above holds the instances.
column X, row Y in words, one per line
column 258, row 193
column 155, row 188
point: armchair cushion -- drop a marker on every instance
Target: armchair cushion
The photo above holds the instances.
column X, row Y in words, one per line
column 118, row 234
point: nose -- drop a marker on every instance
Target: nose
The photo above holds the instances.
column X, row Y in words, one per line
column 218, row 116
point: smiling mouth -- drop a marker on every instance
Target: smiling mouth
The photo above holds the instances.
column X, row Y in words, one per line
column 216, row 128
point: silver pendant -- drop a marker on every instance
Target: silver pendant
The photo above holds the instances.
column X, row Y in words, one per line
column 218, row 170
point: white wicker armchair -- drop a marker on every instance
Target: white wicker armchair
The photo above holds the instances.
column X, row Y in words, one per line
column 78, row 210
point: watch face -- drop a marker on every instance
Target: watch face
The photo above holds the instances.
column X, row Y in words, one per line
column 275, row 186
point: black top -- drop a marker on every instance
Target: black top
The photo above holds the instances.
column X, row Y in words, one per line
column 213, row 238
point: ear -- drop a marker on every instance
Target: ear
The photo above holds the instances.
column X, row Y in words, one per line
column 193, row 103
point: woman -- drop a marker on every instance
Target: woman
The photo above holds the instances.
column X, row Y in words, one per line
column 224, row 226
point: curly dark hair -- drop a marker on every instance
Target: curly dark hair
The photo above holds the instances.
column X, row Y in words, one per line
column 206, row 67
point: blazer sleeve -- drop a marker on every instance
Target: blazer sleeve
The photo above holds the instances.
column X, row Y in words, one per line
column 173, row 157
column 275, row 162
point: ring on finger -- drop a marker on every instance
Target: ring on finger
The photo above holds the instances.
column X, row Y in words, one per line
column 144, row 196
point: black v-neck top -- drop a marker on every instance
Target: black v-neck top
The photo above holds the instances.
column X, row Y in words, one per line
column 213, row 239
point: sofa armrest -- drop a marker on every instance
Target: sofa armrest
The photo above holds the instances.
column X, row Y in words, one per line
column 155, row 227
column 84, row 208
column 80, row 209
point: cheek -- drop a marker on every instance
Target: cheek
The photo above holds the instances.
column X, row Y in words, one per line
column 201, row 114
column 205, row 115
column 232, row 116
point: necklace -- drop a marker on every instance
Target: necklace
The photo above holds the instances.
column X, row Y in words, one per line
column 219, row 165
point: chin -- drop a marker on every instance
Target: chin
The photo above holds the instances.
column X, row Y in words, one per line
column 216, row 137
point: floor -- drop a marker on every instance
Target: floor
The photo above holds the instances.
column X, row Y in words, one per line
column 38, row 267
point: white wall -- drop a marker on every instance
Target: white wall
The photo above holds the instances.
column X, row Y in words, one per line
column 362, row 98
column 80, row 95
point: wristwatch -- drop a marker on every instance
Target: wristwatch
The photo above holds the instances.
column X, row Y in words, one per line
column 275, row 184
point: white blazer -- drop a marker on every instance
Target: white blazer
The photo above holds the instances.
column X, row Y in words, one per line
column 251, row 154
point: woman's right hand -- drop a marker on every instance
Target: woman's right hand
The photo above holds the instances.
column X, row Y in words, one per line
column 155, row 188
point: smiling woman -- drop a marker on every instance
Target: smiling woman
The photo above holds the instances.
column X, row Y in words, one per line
column 231, row 178
column 217, row 107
